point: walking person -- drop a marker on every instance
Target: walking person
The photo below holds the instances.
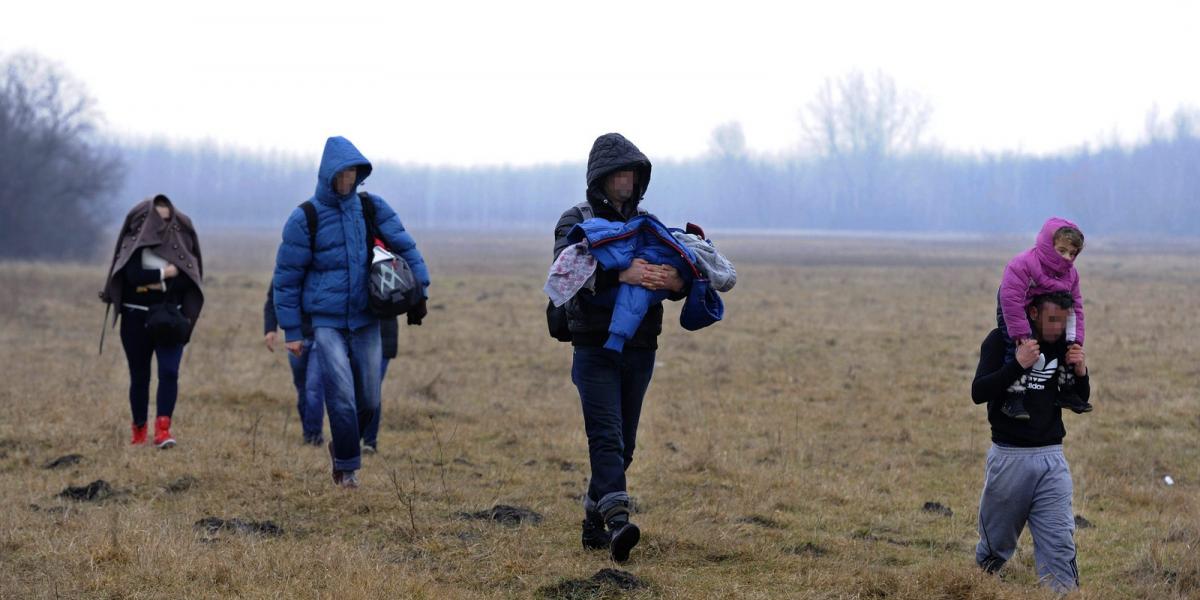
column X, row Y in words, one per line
column 612, row 384
column 1027, row 478
column 154, row 281
column 306, row 373
column 322, row 270
column 389, row 335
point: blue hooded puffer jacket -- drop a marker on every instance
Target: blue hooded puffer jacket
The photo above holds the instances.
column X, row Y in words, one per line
column 328, row 281
column 615, row 245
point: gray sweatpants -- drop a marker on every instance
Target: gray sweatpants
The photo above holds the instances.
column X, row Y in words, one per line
column 1034, row 485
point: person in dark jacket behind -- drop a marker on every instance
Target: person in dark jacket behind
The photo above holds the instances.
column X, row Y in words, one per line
column 389, row 335
column 324, row 274
column 612, row 385
column 306, row 373
column 154, row 281
column 1027, row 479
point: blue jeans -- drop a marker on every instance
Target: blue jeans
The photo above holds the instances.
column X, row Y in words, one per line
column 139, row 349
column 370, row 435
column 310, row 393
column 350, row 366
column 611, row 388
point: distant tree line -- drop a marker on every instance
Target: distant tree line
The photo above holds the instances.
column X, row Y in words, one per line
column 1151, row 188
column 865, row 166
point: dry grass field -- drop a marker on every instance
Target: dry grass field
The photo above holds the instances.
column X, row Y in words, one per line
column 786, row 452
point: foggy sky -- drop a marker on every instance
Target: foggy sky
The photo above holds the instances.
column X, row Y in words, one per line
column 521, row 83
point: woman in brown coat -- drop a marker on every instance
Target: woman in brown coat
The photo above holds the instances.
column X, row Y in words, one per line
column 155, row 283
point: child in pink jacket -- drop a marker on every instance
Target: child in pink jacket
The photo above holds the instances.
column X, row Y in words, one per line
column 1047, row 267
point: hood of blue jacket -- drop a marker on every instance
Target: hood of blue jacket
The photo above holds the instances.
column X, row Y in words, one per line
column 339, row 155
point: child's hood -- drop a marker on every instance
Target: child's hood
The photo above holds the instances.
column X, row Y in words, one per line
column 1051, row 260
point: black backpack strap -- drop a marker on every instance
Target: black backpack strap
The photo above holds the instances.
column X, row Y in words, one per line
column 368, row 210
column 310, row 215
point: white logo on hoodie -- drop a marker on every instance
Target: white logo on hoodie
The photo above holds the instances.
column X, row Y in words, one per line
column 1041, row 373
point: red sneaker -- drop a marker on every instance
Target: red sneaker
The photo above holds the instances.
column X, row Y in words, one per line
column 139, row 434
column 162, row 433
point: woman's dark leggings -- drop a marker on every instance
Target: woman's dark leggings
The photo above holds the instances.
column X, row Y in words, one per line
column 138, row 350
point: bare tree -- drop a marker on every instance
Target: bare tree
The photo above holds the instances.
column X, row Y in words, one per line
column 857, row 125
column 863, row 116
column 728, row 141
column 55, row 172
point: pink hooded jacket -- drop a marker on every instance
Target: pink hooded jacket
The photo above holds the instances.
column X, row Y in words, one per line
column 1040, row 270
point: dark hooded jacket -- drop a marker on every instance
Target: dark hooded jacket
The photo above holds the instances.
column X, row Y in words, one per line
column 175, row 240
column 588, row 322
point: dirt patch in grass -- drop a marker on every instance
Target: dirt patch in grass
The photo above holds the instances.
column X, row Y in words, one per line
column 606, row 583
column 509, row 516
column 93, row 492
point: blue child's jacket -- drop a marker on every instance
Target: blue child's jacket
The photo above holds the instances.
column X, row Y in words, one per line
column 615, row 245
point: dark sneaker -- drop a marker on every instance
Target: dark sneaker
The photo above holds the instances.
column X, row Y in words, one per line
column 624, row 536
column 369, row 448
column 1013, row 406
column 1080, row 409
column 991, row 565
column 594, row 535
column 314, row 440
column 1067, row 396
column 349, row 479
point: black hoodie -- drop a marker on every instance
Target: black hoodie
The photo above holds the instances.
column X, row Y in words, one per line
column 588, row 323
column 992, row 378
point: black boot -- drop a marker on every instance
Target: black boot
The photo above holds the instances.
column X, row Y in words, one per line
column 991, row 565
column 624, row 535
column 1067, row 396
column 594, row 535
column 1014, row 405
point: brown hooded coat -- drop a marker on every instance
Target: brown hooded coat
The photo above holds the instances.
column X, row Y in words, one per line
column 174, row 240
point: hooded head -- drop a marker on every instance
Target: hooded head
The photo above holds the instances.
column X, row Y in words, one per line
column 1051, row 260
column 610, row 153
column 339, row 155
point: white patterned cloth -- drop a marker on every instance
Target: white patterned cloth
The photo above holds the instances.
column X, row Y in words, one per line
column 573, row 270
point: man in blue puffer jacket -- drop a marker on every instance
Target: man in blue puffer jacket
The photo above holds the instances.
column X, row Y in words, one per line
column 326, row 278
